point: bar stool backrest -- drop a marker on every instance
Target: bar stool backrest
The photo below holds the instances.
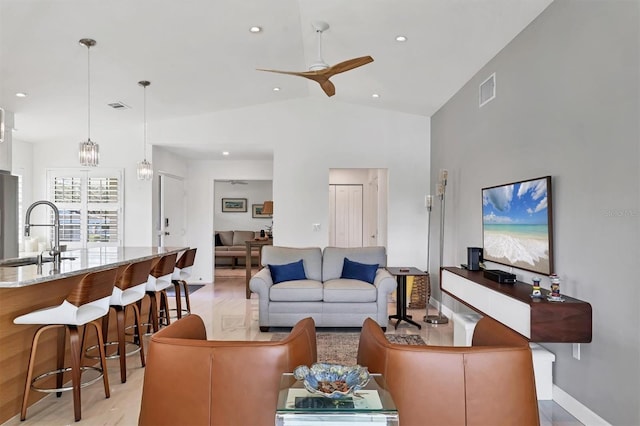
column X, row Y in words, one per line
column 184, row 265
column 135, row 274
column 164, row 266
column 187, row 259
column 94, row 286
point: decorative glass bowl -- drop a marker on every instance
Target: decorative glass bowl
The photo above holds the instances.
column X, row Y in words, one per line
column 332, row 381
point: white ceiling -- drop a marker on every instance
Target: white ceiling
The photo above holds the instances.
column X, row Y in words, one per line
column 200, row 56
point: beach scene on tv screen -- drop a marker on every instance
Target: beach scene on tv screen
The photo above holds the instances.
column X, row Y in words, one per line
column 515, row 225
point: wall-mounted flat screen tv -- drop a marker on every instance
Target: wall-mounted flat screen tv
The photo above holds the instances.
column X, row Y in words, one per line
column 517, row 228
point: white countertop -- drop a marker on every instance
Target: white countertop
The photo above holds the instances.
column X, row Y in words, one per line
column 86, row 260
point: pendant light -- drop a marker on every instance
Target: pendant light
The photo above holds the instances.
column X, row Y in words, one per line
column 89, row 151
column 145, row 171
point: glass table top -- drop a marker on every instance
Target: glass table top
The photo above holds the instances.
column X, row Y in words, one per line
column 373, row 398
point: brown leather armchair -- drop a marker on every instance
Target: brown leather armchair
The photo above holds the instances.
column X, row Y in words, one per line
column 489, row 383
column 193, row 381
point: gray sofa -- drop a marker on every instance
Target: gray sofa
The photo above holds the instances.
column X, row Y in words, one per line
column 232, row 251
column 330, row 300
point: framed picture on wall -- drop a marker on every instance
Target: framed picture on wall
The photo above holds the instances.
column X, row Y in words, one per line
column 234, row 205
column 256, row 212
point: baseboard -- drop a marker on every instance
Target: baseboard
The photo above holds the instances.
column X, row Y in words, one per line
column 445, row 310
column 577, row 409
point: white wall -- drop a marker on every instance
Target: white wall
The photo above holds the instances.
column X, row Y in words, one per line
column 116, row 151
column 308, row 138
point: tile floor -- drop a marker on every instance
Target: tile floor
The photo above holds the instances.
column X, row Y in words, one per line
column 228, row 316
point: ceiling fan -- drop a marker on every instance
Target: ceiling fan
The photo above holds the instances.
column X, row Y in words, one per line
column 235, row 182
column 320, row 71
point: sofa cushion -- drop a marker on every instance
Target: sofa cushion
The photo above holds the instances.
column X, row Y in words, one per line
column 311, row 257
column 296, row 291
column 358, row 271
column 226, row 237
column 218, row 242
column 347, row 290
column 287, row 272
column 239, row 237
column 333, row 259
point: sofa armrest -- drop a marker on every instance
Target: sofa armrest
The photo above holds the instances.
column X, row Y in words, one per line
column 384, row 282
column 261, row 282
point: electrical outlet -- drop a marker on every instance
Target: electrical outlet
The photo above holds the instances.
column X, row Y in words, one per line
column 316, row 227
column 576, row 351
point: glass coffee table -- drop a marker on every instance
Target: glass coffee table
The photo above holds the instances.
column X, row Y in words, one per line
column 371, row 405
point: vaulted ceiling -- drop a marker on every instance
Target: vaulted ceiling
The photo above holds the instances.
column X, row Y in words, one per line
column 201, row 57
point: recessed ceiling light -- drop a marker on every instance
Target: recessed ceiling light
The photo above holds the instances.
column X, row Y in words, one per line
column 276, row 89
column 255, row 29
column 225, row 153
column 21, row 95
column 375, row 96
column 401, row 38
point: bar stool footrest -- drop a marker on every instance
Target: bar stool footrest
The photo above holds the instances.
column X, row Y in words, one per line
column 64, row 370
column 116, row 355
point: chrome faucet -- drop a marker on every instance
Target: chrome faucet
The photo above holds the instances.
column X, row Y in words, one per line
column 55, row 250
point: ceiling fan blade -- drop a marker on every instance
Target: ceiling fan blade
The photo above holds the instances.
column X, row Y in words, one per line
column 347, row 65
column 328, row 87
column 300, row 74
column 317, row 76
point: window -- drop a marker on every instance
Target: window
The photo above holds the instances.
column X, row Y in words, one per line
column 90, row 204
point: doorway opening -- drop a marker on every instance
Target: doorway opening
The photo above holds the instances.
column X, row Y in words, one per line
column 358, row 207
column 247, row 198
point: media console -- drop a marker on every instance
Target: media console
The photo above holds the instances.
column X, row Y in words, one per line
column 539, row 320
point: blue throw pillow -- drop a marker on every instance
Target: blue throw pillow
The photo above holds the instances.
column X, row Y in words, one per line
column 358, row 271
column 288, row 272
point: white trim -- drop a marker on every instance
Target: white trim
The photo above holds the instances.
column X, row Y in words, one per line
column 577, row 409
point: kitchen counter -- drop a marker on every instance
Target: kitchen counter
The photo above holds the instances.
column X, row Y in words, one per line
column 24, row 289
column 84, row 261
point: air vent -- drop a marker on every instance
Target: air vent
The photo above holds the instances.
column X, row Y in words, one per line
column 119, row 105
column 488, row 90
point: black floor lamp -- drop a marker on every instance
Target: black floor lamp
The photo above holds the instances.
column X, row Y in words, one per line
column 442, row 186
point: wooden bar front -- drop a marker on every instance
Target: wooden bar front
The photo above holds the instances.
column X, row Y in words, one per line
column 15, row 340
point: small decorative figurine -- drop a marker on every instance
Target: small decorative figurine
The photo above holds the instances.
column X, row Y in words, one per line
column 555, row 289
column 536, row 293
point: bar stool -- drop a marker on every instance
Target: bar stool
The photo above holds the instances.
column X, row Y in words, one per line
column 130, row 288
column 87, row 302
column 181, row 272
column 158, row 281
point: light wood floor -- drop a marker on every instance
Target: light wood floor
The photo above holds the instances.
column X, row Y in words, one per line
column 228, row 316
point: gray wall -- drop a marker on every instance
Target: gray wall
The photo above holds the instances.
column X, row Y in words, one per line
column 566, row 106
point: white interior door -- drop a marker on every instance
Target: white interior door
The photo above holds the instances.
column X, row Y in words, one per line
column 172, row 211
column 372, row 213
column 347, row 216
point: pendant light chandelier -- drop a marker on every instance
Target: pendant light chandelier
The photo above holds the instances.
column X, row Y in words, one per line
column 89, row 151
column 145, row 171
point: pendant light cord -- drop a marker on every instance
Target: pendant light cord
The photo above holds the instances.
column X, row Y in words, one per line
column 145, row 123
column 89, row 93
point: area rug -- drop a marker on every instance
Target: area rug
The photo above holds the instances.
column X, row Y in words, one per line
column 192, row 288
column 342, row 348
